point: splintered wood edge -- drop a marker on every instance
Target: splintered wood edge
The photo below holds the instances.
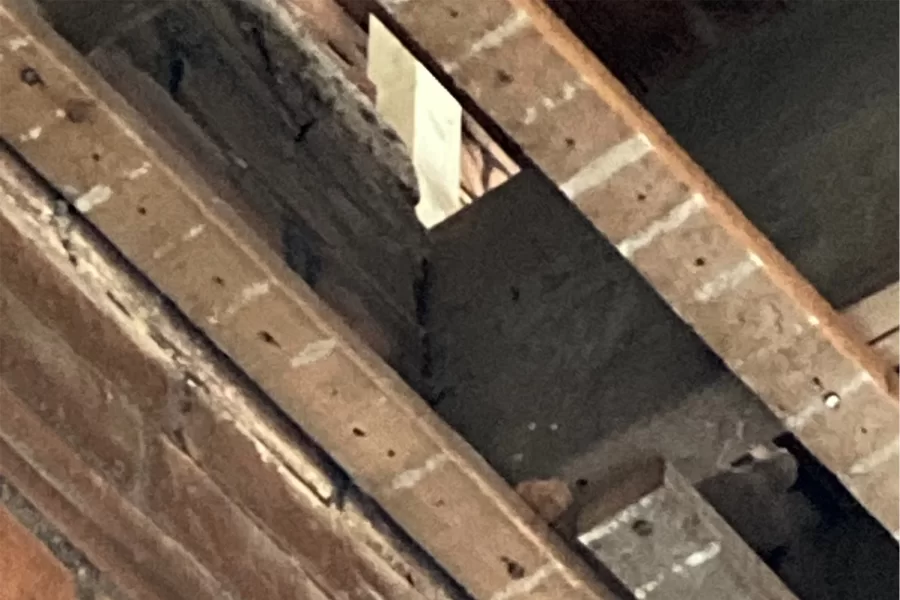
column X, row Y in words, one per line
column 421, row 472
column 518, row 61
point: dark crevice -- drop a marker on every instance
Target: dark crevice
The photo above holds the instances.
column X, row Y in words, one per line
column 176, row 75
column 884, row 335
column 259, row 41
column 118, row 304
column 304, row 130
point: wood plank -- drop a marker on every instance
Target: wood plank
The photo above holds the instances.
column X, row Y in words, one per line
column 888, row 348
column 876, row 315
column 58, row 114
column 663, row 540
column 678, row 228
column 121, row 331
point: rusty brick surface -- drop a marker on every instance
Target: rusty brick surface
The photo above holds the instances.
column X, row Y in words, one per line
column 28, row 571
column 115, row 534
column 202, row 390
column 195, row 512
column 85, row 329
column 111, row 129
column 90, row 412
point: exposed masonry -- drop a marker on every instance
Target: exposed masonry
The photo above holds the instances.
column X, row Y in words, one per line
column 515, row 23
column 520, row 587
column 674, row 219
column 548, row 104
column 166, row 338
column 317, row 72
column 598, row 171
column 90, row 584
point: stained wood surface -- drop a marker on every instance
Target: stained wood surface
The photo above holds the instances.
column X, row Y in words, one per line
column 58, row 115
column 527, row 71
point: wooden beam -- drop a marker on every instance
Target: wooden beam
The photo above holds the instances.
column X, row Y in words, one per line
column 58, row 114
column 877, row 315
column 76, row 320
column 569, row 115
column 664, row 541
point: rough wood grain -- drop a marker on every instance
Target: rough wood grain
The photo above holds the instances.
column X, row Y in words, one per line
column 630, row 179
column 231, row 286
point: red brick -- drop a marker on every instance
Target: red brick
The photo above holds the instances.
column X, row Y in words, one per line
column 68, row 394
column 87, row 330
column 28, row 570
column 117, row 538
column 233, row 459
column 195, row 512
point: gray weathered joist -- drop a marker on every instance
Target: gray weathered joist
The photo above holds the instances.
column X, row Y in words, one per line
column 59, row 114
column 877, row 319
column 664, row 541
column 529, row 73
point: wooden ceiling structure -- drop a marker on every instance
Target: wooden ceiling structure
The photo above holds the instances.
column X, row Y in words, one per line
column 101, row 212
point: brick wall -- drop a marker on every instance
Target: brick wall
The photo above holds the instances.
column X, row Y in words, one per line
column 37, row 562
column 151, row 453
column 268, row 119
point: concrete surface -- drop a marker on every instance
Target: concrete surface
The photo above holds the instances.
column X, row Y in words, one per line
column 798, row 121
column 552, row 355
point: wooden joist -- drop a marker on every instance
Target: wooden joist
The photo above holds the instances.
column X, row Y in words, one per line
column 84, row 140
column 528, row 72
column 663, row 540
column 877, row 320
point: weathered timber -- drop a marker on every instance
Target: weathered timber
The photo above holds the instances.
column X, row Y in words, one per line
column 876, row 315
column 76, row 319
column 661, row 538
column 387, row 325
column 235, row 290
column 643, row 192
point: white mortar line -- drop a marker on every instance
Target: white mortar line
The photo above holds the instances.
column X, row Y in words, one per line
column 703, row 556
column 798, row 421
column 876, row 459
column 138, row 172
column 411, row 477
column 492, row 39
column 727, row 280
column 599, row 170
column 620, row 518
column 672, row 220
column 526, row 584
column 314, row 352
column 247, row 295
column 93, row 198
